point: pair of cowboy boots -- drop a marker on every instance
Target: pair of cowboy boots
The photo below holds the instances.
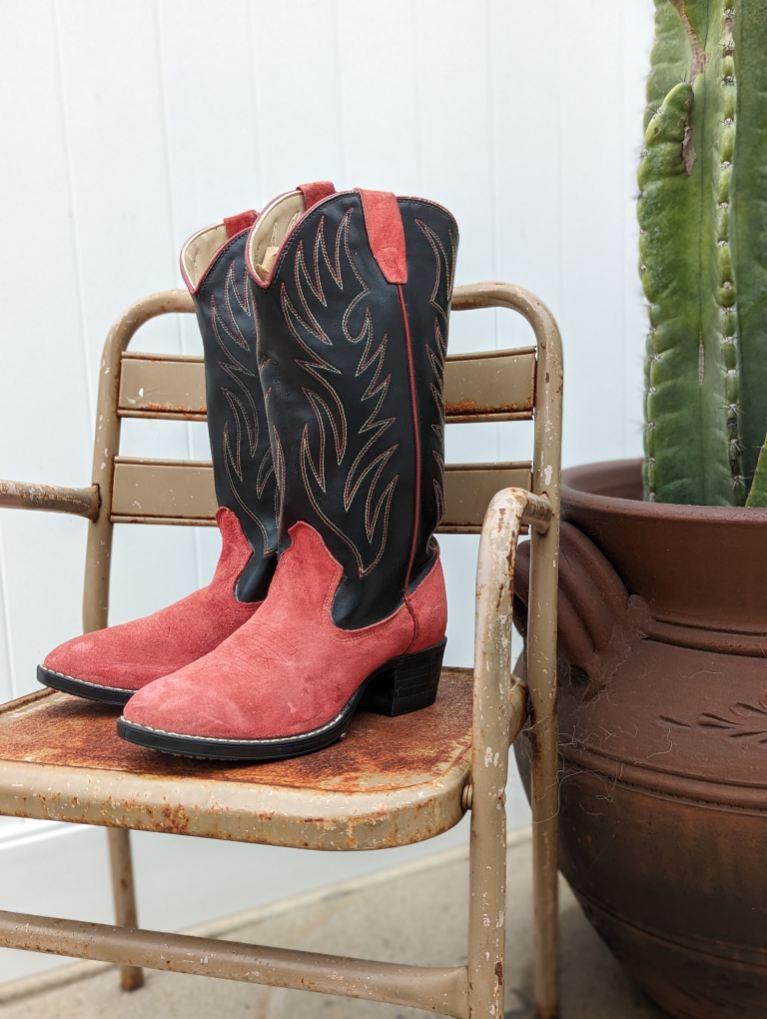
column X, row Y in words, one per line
column 324, row 322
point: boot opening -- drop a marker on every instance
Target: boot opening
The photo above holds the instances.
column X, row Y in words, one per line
column 274, row 225
column 198, row 251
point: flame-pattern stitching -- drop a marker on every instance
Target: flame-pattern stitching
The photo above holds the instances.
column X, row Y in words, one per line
column 360, row 456
column 241, row 432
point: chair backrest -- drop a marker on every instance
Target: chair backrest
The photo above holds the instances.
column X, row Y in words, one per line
column 498, row 385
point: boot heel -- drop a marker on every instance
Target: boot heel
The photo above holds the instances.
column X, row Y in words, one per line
column 406, row 684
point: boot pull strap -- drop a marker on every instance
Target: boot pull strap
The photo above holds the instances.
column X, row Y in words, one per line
column 236, row 224
column 386, row 234
column 315, row 191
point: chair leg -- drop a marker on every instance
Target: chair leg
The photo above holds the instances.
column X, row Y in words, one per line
column 542, row 685
column 487, row 903
column 124, row 895
column 545, row 892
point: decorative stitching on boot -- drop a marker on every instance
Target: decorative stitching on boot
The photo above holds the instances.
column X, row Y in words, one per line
column 241, row 434
column 377, row 504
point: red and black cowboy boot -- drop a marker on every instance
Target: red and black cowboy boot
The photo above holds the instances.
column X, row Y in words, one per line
column 352, row 292
column 110, row 665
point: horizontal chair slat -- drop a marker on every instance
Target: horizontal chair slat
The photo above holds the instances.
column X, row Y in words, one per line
column 470, row 487
column 173, row 492
column 160, row 490
column 497, row 386
column 162, row 387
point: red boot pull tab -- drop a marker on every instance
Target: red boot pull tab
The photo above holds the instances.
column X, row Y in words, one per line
column 386, row 234
column 315, row 191
column 243, row 220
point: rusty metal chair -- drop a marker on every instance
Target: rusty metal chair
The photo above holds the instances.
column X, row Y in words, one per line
column 60, row 758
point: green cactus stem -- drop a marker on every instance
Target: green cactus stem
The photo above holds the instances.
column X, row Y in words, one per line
column 703, row 253
column 750, row 235
column 693, row 367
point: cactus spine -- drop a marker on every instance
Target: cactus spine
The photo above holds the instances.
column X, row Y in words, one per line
column 703, row 253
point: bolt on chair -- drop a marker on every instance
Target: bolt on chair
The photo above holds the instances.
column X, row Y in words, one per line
column 60, row 757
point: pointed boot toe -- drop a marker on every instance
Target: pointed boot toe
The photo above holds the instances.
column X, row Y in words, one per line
column 89, row 666
column 110, row 665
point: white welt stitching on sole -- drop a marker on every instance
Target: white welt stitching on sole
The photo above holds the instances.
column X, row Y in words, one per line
column 85, row 682
column 220, row 739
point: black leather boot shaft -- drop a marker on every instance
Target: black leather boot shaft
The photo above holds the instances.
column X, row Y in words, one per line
column 352, row 368
column 239, row 436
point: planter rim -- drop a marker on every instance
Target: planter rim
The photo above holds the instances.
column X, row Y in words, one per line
column 577, row 492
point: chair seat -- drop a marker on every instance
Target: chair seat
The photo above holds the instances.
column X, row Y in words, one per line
column 390, row 782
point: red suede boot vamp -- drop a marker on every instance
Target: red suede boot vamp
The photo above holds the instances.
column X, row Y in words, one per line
column 132, row 654
column 289, row 669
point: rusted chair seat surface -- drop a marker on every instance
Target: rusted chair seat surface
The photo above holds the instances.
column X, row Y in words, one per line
column 391, row 781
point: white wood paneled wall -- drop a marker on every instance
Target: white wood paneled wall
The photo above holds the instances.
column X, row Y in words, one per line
column 126, row 126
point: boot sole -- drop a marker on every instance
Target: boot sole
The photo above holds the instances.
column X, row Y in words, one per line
column 114, row 695
column 404, row 684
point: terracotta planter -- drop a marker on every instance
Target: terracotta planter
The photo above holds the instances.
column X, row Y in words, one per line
column 663, row 721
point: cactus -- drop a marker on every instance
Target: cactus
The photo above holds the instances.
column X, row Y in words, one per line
column 703, row 253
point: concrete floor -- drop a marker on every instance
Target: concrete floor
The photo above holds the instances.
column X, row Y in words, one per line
column 416, row 913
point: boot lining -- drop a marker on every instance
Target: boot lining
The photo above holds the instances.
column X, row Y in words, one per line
column 200, row 249
column 273, row 226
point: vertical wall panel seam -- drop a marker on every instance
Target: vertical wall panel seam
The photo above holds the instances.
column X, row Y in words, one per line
column 495, row 238
column 256, row 100
column 558, row 155
column 75, row 231
column 626, row 341
column 415, row 33
column 341, row 119
column 173, row 239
